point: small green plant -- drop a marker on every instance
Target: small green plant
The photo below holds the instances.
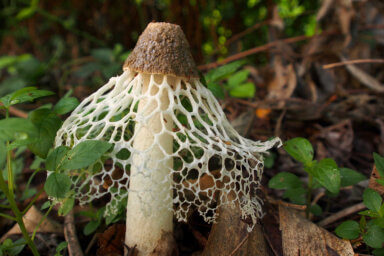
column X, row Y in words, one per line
column 62, row 160
column 10, row 248
column 60, row 247
column 227, row 78
column 371, row 230
column 324, row 173
column 37, row 133
column 97, row 217
column 106, row 61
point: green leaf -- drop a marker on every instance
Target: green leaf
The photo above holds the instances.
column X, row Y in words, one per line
column 300, row 149
column 36, row 163
column 380, row 181
column 378, row 252
column 16, row 128
column 57, row 185
column 91, row 227
column 362, row 223
column 237, row 79
column 327, row 174
column 47, row 124
column 370, row 213
column 316, row 210
column 3, row 154
column 16, row 250
column 111, row 70
column 105, row 55
column 379, row 163
column 29, row 11
column 56, row 158
column 21, row 142
column 87, row 69
column 7, row 61
column 349, row 177
column 61, row 246
column 379, row 222
column 25, row 13
column 348, row 230
column 85, row 153
column 65, row 105
column 374, row 237
column 28, row 193
column 28, row 94
column 9, row 85
column 45, row 205
column 66, row 206
column 220, row 72
column 269, row 160
column 285, row 180
column 372, row 199
column 216, row 90
column 246, row 90
column 296, row 195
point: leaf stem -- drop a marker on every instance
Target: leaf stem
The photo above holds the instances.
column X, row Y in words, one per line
column 309, row 195
column 41, row 221
column 9, row 170
column 7, row 216
column 8, row 191
column 18, row 216
column 32, row 202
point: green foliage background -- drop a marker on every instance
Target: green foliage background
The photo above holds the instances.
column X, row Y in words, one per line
column 67, row 43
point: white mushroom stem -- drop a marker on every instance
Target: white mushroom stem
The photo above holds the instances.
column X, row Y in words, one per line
column 150, row 196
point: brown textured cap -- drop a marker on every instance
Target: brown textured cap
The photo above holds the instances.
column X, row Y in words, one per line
column 162, row 49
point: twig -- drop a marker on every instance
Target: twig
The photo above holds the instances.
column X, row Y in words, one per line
column 16, row 112
column 246, row 32
column 276, row 43
column 74, row 248
column 348, row 62
column 269, row 103
column 279, row 123
column 317, row 197
column 253, row 51
column 239, row 245
column 91, row 243
column 341, row 214
column 286, row 204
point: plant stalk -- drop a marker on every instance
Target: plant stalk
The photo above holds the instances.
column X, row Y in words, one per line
column 309, row 195
column 8, row 191
column 18, row 216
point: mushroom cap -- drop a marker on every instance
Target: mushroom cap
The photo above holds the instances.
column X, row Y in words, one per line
column 162, row 49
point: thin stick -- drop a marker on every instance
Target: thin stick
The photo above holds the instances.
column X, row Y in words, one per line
column 341, row 214
column 74, row 248
column 7, row 216
column 348, row 62
column 239, row 245
column 253, row 51
column 16, row 112
column 276, row 43
column 246, row 32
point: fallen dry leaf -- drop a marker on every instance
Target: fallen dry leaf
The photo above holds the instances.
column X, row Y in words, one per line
column 31, row 220
column 325, row 7
column 284, row 83
column 372, row 182
column 364, row 78
column 302, row 237
column 229, row 236
column 111, row 241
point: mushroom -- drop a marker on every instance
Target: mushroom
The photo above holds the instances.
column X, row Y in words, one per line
column 173, row 148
